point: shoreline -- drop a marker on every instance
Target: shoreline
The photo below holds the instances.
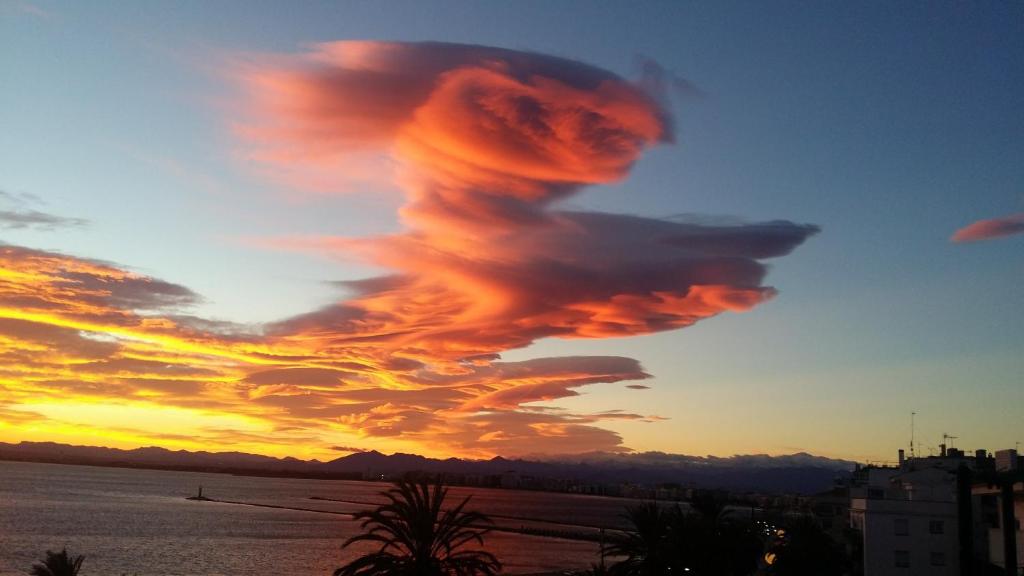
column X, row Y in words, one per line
column 578, row 536
column 164, row 498
column 253, row 473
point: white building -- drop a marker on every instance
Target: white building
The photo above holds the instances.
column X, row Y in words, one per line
column 908, row 518
column 908, row 514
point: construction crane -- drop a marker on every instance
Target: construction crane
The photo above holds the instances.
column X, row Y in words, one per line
column 946, row 437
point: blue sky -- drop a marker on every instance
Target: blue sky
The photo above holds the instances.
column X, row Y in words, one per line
column 888, row 125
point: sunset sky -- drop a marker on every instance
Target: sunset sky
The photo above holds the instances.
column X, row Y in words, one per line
column 478, row 229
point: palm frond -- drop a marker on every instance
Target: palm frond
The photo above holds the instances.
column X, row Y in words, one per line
column 58, row 564
column 417, row 536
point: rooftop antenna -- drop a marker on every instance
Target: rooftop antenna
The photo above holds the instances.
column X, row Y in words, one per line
column 912, row 435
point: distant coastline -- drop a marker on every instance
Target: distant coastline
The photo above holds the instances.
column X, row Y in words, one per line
column 255, row 473
column 643, row 475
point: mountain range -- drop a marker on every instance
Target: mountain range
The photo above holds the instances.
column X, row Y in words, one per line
column 795, row 473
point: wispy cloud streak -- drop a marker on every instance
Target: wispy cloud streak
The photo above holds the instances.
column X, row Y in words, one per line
column 990, row 229
column 17, row 213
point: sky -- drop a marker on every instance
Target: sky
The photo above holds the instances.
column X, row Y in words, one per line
column 479, row 229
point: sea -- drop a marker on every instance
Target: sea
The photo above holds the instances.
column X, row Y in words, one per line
column 139, row 522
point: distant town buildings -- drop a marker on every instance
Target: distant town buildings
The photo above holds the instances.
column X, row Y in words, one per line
column 1007, row 460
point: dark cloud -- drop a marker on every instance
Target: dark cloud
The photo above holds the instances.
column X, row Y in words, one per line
column 16, row 220
column 351, row 449
column 19, row 214
column 662, row 83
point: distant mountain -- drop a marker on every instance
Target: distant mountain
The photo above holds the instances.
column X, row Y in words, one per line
column 151, row 456
column 800, row 473
column 683, row 461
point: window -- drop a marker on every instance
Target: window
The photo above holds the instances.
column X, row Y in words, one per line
column 990, row 511
column 938, row 558
column 902, row 527
column 901, row 559
column 936, row 527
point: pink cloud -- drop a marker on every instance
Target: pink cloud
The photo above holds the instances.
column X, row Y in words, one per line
column 990, row 229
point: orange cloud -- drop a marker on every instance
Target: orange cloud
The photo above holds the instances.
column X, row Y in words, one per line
column 486, row 141
column 91, row 351
column 990, row 229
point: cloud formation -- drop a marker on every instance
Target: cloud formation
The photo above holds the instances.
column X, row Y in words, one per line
column 486, row 143
column 18, row 214
column 990, row 229
column 86, row 345
column 487, row 140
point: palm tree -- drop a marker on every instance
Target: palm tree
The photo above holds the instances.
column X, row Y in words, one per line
column 58, row 565
column 646, row 547
column 418, row 538
column 711, row 509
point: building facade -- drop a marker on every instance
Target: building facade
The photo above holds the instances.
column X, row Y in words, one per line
column 911, row 515
column 908, row 521
column 991, row 540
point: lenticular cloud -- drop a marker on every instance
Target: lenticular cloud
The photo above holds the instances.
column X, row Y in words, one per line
column 487, row 140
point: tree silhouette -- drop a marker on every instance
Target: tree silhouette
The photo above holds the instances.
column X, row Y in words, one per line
column 58, row 564
column 806, row 550
column 705, row 542
column 419, row 538
column 711, row 508
column 712, row 542
column 646, row 547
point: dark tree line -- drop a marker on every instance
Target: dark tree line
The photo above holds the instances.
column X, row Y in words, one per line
column 669, row 540
column 707, row 541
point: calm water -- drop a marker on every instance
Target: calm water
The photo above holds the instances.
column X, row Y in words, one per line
column 138, row 522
